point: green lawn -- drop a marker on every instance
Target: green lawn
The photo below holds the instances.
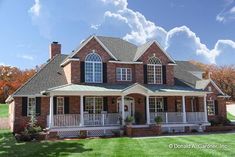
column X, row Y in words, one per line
column 119, row 146
column 230, row 116
column 3, row 110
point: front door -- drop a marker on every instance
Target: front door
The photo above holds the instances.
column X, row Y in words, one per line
column 128, row 106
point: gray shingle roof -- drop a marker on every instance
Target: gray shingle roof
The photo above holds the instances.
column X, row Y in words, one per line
column 51, row 75
column 187, row 66
column 121, row 49
column 182, row 73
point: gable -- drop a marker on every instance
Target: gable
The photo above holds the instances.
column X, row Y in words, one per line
column 90, row 45
column 215, row 88
column 150, row 49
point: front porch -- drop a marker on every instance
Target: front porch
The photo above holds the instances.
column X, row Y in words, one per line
column 76, row 108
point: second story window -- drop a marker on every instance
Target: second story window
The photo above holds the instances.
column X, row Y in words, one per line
column 93, row 68
column 123, row 74
column 154, row 71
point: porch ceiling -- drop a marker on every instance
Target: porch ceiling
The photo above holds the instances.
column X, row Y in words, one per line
column 123, row 89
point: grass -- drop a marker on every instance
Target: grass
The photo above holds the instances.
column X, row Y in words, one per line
column 230, row 116
column 119, row 146
column 4, row 110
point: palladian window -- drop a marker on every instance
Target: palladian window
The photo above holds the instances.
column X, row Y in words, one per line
column 93, row 68
column 154, row 71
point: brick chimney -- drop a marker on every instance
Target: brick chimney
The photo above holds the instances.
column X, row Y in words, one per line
column 55, row 48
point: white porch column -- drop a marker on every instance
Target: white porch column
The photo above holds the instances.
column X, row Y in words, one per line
column 205, row 109
column 51, row 118
column 123, row 111
column 183, row 107
column 81, row 111
column 147, row 110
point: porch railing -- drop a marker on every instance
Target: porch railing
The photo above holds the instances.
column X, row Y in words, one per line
column 195, row 116
column 73, row 120
column 67, row 120
column 103, row 119
column 177, row 117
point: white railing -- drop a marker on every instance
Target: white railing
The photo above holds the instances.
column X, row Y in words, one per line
column 103, row 119
column 73, row 120
column 66, row 120
column 195, row 117
column 177, row 117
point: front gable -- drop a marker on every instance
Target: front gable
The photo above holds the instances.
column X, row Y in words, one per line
column 154, row 49
column 93, row 45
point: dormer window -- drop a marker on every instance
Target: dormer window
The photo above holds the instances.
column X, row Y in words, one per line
column 154, row 71
column 93, row 68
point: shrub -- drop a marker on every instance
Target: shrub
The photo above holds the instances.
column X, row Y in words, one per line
column 158, row 120
column 194, row 130
column 220, row 121
column 129, row 119
column 32, row 130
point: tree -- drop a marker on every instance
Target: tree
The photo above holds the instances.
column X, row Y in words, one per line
column 11, row 78
column 224, row 76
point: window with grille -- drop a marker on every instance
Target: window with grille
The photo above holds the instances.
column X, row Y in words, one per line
column 154, row 71
column 60, row 105
column 31, row 106
column 93, row 68
column 210, row 107
column 156, row 104
column 94, row 105
column 123, row 74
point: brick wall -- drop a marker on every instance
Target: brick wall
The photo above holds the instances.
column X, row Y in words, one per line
column 137, row 69
column 21, row 121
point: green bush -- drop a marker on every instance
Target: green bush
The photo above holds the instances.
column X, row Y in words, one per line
column 158, row 120
column 129, row 119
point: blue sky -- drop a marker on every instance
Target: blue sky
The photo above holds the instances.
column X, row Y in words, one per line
column 188, row 29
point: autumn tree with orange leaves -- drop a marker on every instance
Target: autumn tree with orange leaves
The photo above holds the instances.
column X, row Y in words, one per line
column 11, row 78
column 224, row 76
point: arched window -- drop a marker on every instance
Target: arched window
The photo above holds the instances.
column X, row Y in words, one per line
column 93, row 68
column 154, row 71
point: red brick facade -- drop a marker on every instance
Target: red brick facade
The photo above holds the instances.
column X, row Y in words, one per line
column 72, row 72
column 72, row 69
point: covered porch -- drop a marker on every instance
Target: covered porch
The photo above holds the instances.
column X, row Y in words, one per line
column 108, row 106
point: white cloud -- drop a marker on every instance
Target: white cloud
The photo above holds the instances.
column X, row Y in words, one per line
column 142, row 30
column 96, row 27
column 41, row 18
column 228, row 12
column 232, row 10
column 36, row 8
column 27, row 57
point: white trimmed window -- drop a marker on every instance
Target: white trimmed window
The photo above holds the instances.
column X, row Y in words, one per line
column 60, row 105
column 154, row 71
column 93, row 68
column 31, row 108
column 210, row 107
column 94, row 105
column 123, row 74
column 156, row 104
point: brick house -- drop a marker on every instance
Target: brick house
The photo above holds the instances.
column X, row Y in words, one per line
column 107, row 79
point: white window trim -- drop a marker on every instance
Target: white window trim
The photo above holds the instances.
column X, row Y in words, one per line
column 58, row 105
column 155, row 104
column 93, row 97
column 93, row 68
column 28, row 113
column 213, row 105
column 121, row 78
column 154, row 71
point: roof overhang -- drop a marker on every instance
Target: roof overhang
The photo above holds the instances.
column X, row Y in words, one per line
column 74, row 89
